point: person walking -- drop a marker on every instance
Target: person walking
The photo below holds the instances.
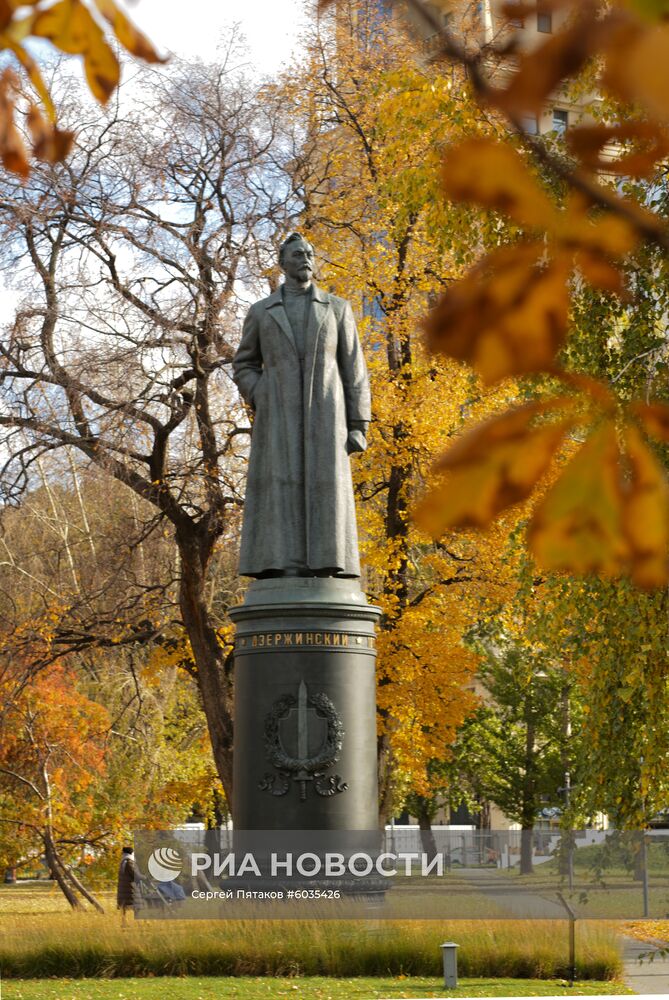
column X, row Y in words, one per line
column 125, row 888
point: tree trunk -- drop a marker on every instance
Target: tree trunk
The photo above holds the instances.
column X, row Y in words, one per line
column 215, row 688
column 396, row 584
column 384, row 759
column 57, row 872
column 79, row 885
column 427, row 840
column 528, row 809
column 639, row 855
column 526, row 866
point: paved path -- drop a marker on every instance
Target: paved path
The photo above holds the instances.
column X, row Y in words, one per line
column 644, row 976
column 511, row 899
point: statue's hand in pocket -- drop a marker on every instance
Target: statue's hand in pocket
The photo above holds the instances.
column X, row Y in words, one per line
column 254, row 393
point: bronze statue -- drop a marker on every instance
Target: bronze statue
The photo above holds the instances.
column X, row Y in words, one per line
column 301, row 368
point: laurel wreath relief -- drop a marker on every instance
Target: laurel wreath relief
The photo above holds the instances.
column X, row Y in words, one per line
column 310, row 768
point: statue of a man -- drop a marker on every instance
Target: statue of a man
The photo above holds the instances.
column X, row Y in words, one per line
column 301, row 368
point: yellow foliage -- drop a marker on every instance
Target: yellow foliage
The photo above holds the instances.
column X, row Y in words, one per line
column 508, row 315
column 637, row 69
column 492, row 467
column 579, row 522
column 387, row 241
column 646, row 514
column 483, row 170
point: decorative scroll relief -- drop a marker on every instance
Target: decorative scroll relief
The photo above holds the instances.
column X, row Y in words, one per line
column 303, row 739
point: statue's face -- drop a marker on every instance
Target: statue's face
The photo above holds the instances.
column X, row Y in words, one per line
column 298, row 261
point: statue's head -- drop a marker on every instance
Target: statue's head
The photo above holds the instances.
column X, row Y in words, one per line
column 296, row 258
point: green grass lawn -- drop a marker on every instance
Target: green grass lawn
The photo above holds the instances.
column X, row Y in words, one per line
column 614, row 864
column 315, row 988
column 617, row 896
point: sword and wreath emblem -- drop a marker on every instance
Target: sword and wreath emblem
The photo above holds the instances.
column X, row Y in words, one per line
column 309, row 711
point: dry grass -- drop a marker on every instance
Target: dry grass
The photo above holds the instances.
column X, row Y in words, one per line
column 80, row 945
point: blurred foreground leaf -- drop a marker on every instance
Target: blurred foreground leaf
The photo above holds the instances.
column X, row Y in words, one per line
column 74, row 28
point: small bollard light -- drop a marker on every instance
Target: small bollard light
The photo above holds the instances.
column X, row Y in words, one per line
column 449, row 952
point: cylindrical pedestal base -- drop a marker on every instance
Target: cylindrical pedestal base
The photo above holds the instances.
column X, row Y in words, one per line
column 305, row 707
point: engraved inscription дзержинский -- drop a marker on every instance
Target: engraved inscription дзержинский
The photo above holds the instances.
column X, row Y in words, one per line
column 333, row 640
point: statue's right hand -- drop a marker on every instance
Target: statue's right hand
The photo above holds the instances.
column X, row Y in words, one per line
column 355, row 442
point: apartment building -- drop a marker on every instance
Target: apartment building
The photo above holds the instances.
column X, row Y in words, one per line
column 491, row 23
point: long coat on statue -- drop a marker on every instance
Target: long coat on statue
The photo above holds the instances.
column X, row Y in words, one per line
column 299, row 508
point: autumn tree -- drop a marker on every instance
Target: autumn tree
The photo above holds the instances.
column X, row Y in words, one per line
column 369, row 118
column 609, row 635
column 72, row 554
column 91, row 751
column 586, row 435
column 517, row 748
column 127, row 260
column 609, row 640
column 595, row 431
column 52, row 754
column 509, row 316
column 81, row 574
column 160, row 768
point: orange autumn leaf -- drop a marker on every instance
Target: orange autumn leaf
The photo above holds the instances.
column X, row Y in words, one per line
column 507, row 316
column 13, row 151
column 589, row 142
column 492, row 467
column 598, row 272
column 71, row 28
column 654, row 418
column 130, row 37
column 646, row 514
column 637, row 65
column 495, row 176
column 9, row 7
column 606, row 235
column 34, row 75
column 579, row 525
column 596, row 243
column 49, row 143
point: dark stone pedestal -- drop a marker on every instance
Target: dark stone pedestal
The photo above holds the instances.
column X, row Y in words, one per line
column 305, row 707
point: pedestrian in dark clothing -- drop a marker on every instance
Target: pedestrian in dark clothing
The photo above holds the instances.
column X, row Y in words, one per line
column 125, row 889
